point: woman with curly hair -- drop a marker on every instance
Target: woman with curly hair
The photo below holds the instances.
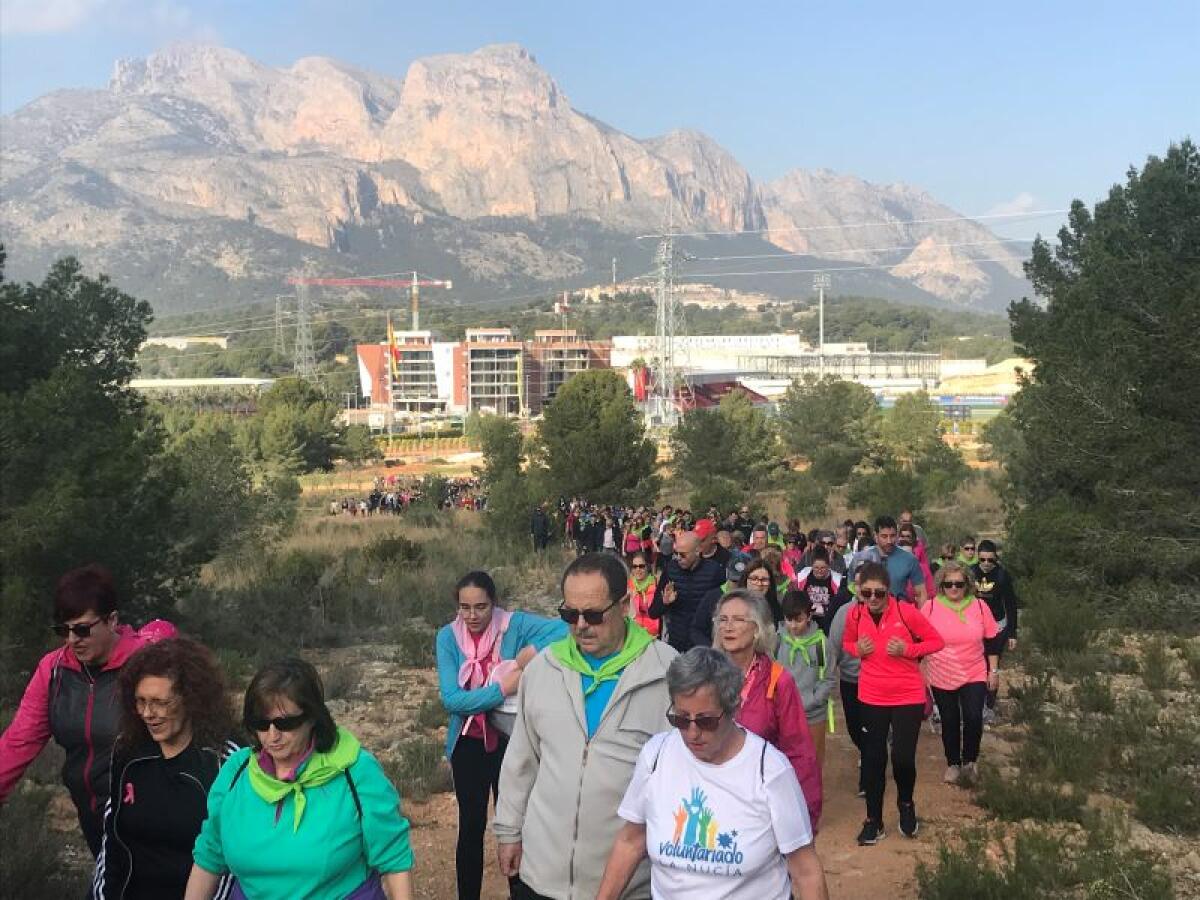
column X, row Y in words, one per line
column 175, row 729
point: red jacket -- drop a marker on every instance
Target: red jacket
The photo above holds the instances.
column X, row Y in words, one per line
column 886, row 680
column 781, row 722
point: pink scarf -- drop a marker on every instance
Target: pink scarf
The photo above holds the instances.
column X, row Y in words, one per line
column 479, row 656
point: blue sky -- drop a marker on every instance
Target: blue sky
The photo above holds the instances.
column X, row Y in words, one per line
column 1017, row 107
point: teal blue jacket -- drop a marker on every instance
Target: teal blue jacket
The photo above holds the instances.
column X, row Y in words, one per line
column 331, row 852
column 523, row 629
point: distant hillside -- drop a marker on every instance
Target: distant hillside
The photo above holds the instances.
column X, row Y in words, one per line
column 200, row 177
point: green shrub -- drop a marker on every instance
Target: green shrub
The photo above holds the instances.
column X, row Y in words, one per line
column 31, row 858
column 1158, row 667
column 1063, row 750
column 1166, row 800
column 1093, row 694
column 431, row 714
column 1028, row 797
column 342, row 682
column 1191, row 659
column 1031, row 696
column 1059, row 620
column 393, row 549
column 419, row 769
column 415, row 646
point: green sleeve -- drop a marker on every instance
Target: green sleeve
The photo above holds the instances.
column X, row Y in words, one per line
column 209, row 853
column 384, row 827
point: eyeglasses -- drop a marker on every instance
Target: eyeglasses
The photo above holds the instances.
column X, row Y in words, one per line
column 281, row 723
column 155, row 707
column 591, row 616
column 958, row 585
column 705, row 722
column 759, row 579
column 722, row 621
column 81, row 630
column 873, row 593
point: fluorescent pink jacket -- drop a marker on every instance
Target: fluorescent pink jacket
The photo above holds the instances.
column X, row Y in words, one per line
column 30, row 729
column 781, row 722
column 885, row 680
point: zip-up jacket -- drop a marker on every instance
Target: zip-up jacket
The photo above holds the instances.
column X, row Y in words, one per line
column 691, row 585
column 811, row 665
column 559, row 789
column 883, row 679
column 153, row 815
column 80, row 709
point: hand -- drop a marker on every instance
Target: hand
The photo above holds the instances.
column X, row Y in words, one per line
column 510, row 681
column 1012, row 643
column 993, row 680
column 896, row 646
column 865, row 645
column 509, row 856
column 526, row 656
column 668, row 595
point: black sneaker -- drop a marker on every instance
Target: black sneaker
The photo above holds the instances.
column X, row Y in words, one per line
column 872, row 833
column 909, row 826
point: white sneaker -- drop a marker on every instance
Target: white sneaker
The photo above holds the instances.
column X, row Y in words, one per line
column 952, row 775
column 970, row 774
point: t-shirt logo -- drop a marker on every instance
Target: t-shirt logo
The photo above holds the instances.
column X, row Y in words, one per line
column 698, row 841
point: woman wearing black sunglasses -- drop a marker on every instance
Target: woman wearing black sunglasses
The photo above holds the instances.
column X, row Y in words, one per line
column 73, row 696
column 307, row 812
column 718, row 810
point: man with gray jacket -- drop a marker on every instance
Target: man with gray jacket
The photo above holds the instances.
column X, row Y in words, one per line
column 586, row 706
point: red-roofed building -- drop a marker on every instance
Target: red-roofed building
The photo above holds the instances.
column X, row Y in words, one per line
column 708, row 395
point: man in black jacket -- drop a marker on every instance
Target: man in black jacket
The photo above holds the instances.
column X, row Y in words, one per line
column 994, row 586
column 686, row 579
column 539, row 527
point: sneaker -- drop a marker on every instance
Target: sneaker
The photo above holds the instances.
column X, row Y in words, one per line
column 908, row 820
column 989, row 716
column 862, row 791
column 872, row 833
column 952, row 775
column 970, row 774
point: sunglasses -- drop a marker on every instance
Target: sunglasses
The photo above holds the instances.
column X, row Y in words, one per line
column 638, row 566
column 987, row 559
column 82, row 630
column 954, row 584
column 968, row 548
column 281, row 723
column 873, row 593
column 591, row 616
column 706, row 722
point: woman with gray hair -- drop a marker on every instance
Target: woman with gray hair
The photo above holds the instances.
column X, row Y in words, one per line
column 717, row 809
column 771, row 707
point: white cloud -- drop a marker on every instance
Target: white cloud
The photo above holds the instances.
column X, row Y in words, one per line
column 1024, row 202
column 45, row 16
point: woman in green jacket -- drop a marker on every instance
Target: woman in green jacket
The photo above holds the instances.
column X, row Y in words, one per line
column 307, row 812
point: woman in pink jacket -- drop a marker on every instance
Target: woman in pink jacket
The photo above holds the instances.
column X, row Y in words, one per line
column 889, row 637
column 771, row 705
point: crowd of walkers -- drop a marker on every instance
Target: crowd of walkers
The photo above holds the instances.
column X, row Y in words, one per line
column 390, row 496
column 665, row 733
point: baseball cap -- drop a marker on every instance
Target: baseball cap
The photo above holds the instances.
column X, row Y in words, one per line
column 705, row 528
column 735, row 570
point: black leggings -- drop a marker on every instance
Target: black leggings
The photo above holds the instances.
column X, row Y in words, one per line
column 904, row 723
column 852, row 710
column 962, row 721
column 476, row 777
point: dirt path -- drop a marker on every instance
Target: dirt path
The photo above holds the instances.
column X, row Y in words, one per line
column 854, row 873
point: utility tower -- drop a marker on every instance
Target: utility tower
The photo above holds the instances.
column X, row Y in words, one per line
column 668, row 323
column 821, row 281
column 280, row 345
column 305, row 358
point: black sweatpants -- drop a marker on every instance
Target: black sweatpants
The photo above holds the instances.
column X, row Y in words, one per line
column 852, row 711
column 904, row 724
column 962, row 721
column 476, row 778
column 996, row 646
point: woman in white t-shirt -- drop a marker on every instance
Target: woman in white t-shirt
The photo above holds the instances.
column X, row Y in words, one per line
column 718, row 810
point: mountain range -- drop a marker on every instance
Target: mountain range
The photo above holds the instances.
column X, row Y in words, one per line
column 200, row 176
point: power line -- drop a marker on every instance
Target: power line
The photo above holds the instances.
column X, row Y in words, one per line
column 827, row 269
column 868, row 249
column 1033, row 214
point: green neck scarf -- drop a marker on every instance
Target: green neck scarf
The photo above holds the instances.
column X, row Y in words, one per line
column 640, row 586
column 956, row 608
column 801, row 645
column 320, row 769
column 566, row 651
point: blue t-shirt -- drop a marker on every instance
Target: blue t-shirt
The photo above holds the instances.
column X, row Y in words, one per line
column 902, row 566
column 596, row 702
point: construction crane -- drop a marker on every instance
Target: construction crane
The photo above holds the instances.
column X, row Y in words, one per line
column 414, row 284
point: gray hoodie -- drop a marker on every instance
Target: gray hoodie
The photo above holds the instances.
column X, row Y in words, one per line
column 847, row 665
column 813, row 675
column 559, row 791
